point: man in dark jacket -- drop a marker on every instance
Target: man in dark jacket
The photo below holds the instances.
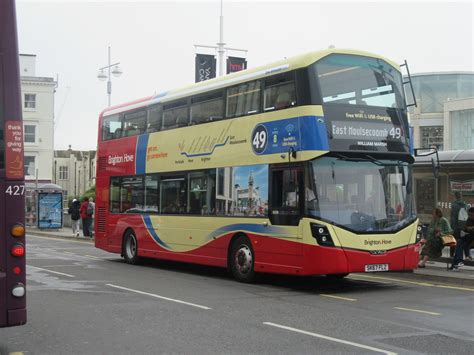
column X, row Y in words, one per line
column 456, row 224
column 468, row 233
column 463, row 240
column 75, row 216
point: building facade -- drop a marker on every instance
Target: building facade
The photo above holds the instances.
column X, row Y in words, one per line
column 38, row 121
column 444, row 116
column 74, row 171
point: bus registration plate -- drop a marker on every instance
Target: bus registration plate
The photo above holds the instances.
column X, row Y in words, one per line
column 376, row 267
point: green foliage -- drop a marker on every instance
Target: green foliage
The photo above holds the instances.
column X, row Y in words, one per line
column 89, row 193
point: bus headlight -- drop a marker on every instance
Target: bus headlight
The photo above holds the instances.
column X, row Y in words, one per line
column 18, row 290
column 419, row 233
column 322, row 235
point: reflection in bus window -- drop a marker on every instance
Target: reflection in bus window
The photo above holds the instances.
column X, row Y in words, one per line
column 207, row 108
column 173, row 195
column 243, row 99
column 131, row 194
column 111, row 127
column 202, row 192
column 134, row 123
column 359, row 80
column 151, row 193
column 279, row 93
column 175, row 115
column 155, row 119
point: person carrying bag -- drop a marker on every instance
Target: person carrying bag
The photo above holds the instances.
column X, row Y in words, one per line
column 438, row 228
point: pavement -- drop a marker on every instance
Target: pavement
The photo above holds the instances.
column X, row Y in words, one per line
column 435, row 271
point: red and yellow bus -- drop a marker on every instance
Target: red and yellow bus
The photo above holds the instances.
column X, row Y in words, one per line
column 302, row 167
column 12, row 186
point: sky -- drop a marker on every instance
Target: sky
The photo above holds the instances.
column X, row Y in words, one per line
column 154, row 43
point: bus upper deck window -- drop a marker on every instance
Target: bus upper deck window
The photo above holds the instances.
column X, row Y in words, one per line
column 111, row 127
column 155, row 119
column 134, row 123
column 279, row 93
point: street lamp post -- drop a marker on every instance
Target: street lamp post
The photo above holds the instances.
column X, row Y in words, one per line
column 117, row 71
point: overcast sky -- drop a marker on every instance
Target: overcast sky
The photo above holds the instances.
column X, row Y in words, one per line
column 154, row 42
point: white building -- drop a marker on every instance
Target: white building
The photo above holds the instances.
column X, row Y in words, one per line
column 444, row 116
column 38, row 121
column 74, row 171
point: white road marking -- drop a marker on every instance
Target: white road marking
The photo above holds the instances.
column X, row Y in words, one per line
column 93, row 257
column 426, row 284
column 158, row 296
column 418, row 311
column 316, row 335
column 51, row 271
column 57, row 239
column 338, row 297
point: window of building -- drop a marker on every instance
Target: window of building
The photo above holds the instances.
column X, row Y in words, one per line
column 29, row 165
column 30, row 134
column 432, row 136
column 30, row 101
column 111, row 127
column 155, row 119
column 175, row 115
column 279, row 93
column 63, row 173
column 243, row 99
column 134, row 123
column 207, row 108
column 462, row 129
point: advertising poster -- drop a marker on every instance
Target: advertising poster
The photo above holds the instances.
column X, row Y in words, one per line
column 50, row 210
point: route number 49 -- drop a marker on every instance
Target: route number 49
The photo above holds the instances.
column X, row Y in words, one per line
column 15, row 190
column 259, row 139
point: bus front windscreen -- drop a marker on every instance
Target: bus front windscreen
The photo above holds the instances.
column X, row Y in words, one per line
column 359, row 80
column 360, row 194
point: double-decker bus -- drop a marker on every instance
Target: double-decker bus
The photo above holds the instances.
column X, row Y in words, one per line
column 302, row 167
column 12, row 187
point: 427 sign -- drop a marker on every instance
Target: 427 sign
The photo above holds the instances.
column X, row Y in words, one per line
column 15, row 190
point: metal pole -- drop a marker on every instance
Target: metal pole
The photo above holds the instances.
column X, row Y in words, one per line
column 109, row 82
column 221, row 44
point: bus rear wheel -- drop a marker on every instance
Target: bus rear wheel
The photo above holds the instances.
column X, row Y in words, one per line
column 242, row 260
column 130, row 248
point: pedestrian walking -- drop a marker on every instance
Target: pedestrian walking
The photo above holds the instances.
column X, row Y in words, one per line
column 85, row 216
column 433, row 247
column 74, row 212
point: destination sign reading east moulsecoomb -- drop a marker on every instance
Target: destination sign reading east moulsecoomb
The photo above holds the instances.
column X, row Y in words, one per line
column 365, row 130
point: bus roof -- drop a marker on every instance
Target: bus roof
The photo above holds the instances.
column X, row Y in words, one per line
column 281, row 66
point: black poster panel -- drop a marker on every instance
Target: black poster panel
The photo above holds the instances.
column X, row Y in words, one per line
column 235, row 64
column 205, row 67
column 367, row 128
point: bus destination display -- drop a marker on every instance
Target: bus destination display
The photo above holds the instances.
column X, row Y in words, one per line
column 371, row 128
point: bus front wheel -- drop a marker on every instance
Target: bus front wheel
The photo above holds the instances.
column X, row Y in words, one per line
column 242, row 260
column 130, row 248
